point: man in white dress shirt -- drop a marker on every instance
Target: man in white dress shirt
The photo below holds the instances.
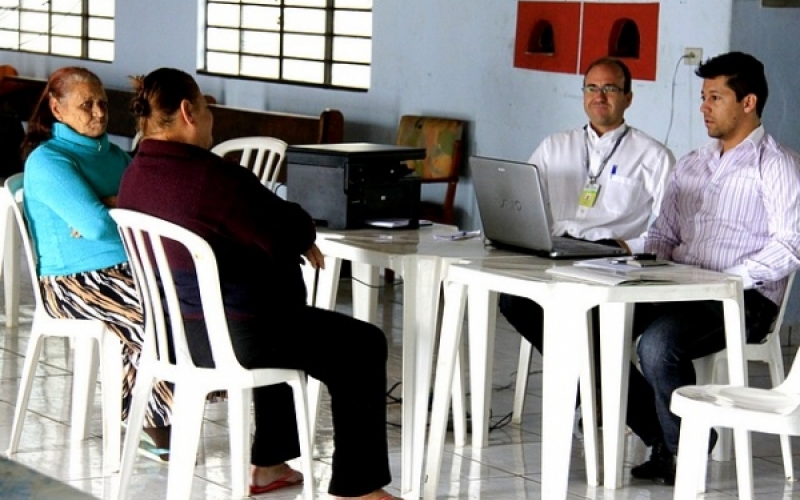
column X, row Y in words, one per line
column 605, row 180
column 732, row 205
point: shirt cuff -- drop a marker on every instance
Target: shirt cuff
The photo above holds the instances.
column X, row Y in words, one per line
column 741, row 271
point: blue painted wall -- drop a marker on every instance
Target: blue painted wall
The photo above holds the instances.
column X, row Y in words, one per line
column 771, row 34
column 454, row 58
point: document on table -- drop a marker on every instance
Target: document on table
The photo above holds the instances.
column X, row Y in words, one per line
column 605, row 276
column 625, row 266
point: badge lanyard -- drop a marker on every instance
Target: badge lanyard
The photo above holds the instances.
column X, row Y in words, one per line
column 592, row 188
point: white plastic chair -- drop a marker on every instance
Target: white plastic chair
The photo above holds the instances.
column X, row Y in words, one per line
column 9, row 256
column 712, row 369
column 84, row 333
column 164, row 331
column 742, row 409
column 269, row 153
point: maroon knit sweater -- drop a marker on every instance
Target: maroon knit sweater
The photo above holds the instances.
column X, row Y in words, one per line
column 257, row 237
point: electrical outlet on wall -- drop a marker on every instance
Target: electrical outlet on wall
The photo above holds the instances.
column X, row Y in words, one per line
column 692, row 56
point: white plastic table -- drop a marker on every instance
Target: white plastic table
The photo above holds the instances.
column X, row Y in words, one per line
column 422, row 260
column 567, row 341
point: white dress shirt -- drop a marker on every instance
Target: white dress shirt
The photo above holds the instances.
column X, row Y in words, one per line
column 738, row 213
column 631, row 182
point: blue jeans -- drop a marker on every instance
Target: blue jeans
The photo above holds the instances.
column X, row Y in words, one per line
column 672, row 335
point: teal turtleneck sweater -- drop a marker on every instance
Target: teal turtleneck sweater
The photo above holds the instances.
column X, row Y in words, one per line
column 65, row 178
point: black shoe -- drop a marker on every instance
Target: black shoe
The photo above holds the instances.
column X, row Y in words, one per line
column 660, row 468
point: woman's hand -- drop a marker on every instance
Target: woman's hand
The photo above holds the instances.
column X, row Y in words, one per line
column 315, row 257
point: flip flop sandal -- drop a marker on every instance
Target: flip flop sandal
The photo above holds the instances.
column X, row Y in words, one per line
column 291, row 478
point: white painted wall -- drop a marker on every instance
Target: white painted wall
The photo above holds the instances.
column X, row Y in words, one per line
column 439, row 57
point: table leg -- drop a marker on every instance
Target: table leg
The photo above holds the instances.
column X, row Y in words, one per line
column 559, row 389
column 589, row 403
column 459, row 412
column 450, row 339
column 421, row 276
column 482, row 321
column 735, row 340
column 737, row 375
column 365, row 291
column 615, row 362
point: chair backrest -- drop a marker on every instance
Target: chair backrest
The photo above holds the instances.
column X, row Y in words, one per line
column 13, row 190
column 144, row 238
column 442, row 139
column 264, row 156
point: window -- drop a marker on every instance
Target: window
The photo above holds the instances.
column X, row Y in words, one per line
column 83, row 29
column 326, row 43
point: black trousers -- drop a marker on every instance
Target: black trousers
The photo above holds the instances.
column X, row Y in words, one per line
column 348, row 356
column 527, row 317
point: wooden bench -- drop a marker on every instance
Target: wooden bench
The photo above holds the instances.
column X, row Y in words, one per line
column 20, row 94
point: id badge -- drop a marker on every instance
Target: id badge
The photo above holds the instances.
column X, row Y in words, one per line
column 589, row 195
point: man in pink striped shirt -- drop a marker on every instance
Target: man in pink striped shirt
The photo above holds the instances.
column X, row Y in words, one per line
column 732, row 205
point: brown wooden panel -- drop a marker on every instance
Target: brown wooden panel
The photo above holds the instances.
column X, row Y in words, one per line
column 230, row 123
column 19, row 95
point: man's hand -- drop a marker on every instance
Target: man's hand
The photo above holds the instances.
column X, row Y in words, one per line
column 315, row 257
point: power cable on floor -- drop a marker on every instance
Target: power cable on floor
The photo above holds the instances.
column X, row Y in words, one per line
column 499, row 424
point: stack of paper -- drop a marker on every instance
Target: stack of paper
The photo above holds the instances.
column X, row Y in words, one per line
column 605, row 276
column 623, row 266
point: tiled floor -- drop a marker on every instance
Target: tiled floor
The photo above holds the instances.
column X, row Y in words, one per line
column 508, row 469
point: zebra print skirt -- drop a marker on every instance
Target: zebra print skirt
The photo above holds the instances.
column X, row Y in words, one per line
column 109, row 295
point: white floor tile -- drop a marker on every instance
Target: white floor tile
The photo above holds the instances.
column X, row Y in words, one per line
column 509, row 468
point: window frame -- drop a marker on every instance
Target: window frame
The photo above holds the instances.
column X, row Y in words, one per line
column 84, row 37
column 281, row 58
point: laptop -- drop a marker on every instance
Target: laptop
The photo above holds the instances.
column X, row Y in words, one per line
column 515, row 213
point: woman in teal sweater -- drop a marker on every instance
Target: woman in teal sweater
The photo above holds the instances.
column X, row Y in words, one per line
column 72, row 175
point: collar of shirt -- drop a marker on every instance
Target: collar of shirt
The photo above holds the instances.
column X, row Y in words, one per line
column 753, row 140
column 609, row 137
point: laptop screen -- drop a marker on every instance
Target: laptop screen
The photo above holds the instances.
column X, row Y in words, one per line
column 511, row 202
column 515, row 212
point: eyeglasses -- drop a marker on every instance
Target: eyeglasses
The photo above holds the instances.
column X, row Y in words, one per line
column 605, row 89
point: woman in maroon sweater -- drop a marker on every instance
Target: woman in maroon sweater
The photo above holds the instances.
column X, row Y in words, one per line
column 258, row 240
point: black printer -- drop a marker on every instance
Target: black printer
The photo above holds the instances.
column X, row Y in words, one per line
column 344, row 185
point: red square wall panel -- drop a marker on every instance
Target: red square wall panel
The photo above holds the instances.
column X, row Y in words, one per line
column 611, row 29
column 547, row 36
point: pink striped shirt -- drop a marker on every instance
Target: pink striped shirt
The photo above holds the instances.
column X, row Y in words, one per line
column 738, row 209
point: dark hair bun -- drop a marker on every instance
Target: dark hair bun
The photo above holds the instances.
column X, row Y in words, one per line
column 140, row 107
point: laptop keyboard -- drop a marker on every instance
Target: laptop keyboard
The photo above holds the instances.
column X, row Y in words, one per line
column 572, row 244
